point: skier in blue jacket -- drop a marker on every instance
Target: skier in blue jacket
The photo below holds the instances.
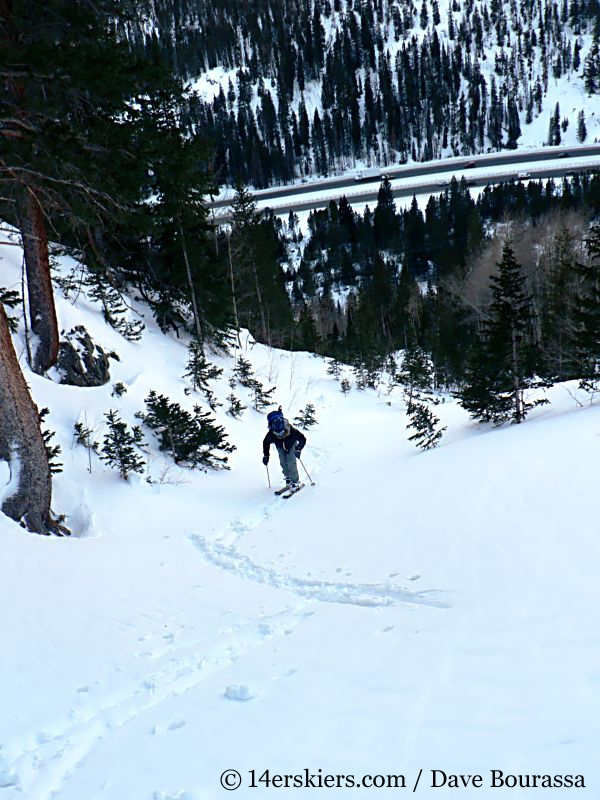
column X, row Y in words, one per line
column 289, row 442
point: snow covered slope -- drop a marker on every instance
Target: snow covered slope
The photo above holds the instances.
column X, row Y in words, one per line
column 434, row 611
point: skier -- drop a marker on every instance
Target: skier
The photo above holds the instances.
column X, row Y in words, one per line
column 289, row 443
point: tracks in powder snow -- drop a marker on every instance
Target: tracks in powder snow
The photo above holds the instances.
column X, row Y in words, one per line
column 374, row 595
column 40, row 769
column 222, row 553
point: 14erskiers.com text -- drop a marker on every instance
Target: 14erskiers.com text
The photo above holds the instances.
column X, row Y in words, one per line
column 438, row 779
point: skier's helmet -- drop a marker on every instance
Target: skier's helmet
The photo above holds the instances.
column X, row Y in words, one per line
column 276, row 422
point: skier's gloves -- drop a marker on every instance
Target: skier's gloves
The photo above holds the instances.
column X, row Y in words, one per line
column 298, row 452
column 265, row 460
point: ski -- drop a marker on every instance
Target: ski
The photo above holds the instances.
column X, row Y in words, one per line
column 282, row 490
column 292, row 492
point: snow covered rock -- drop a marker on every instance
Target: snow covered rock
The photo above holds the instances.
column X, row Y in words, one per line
column 81, row 362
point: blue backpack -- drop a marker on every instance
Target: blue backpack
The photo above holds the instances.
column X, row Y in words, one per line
column 276, row 421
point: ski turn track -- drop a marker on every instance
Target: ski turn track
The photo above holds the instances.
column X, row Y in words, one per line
column 372, row 595
column 221, row 553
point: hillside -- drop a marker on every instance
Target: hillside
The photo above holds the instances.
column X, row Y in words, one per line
column 411, row 611
column 288, row 90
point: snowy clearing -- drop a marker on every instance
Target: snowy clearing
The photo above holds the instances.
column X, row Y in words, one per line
column 434, row 611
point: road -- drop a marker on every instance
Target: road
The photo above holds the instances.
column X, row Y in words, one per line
column 439, row 173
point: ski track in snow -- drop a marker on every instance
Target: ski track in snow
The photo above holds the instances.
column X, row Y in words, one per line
column 221, row 553
column 373, row 595
column 40, row 770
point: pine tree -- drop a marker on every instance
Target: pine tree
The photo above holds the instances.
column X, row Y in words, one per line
column 201, row 372
column 425, row 424
column 261, row 397
column 554, row 136
column 417, row 378
column 586, row 314
column 243, row 372
column 53, row 450
column 334, row 368
column 306, row 418
column 192, row 439
column 503, row 361
column 581, row 127
column 236, row 407
column 119, row 446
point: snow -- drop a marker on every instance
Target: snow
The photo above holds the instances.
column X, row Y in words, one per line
column 411, row 611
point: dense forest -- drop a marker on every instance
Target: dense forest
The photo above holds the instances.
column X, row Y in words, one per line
column 314, row 87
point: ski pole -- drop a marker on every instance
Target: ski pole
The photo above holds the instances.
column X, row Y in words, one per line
column 312, row 483
column 268, row 476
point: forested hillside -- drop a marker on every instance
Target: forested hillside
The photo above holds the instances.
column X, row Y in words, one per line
column 291, row 88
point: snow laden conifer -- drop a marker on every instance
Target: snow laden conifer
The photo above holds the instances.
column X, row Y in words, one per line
column 191, row 439
column 120, row 446
column 416, row 376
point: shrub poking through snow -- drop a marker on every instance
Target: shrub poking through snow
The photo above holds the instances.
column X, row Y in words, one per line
column 84, row 436
column 306, row 418
column 192, row 439
column 235, row 407
column 119, row 446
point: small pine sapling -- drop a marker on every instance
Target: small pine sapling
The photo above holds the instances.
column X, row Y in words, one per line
column 53, row 450
column 119, row 446
column 235, row 407
column 334, row 368
column 261, row 397
column 201, row 372
column 417, row 377
column 243, row 373
column 118, row 389
column 84, row 437
column 425, row 424
column 345, row 386
column 306, row 417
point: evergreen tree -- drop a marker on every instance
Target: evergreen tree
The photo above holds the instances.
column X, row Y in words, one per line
column 503, row 362
column 192, row 439
column 581, row 127
column 119, row 446
column 201, row 371
column 243, row 372
column 236, row 407
column 306, row 417
column 586, row 314
column 425, row 424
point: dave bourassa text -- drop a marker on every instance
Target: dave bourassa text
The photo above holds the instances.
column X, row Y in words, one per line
column 499, row 779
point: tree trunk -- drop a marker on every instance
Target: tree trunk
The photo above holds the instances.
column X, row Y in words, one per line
column 21, row 444
column 188, row 269
column 42, row 311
